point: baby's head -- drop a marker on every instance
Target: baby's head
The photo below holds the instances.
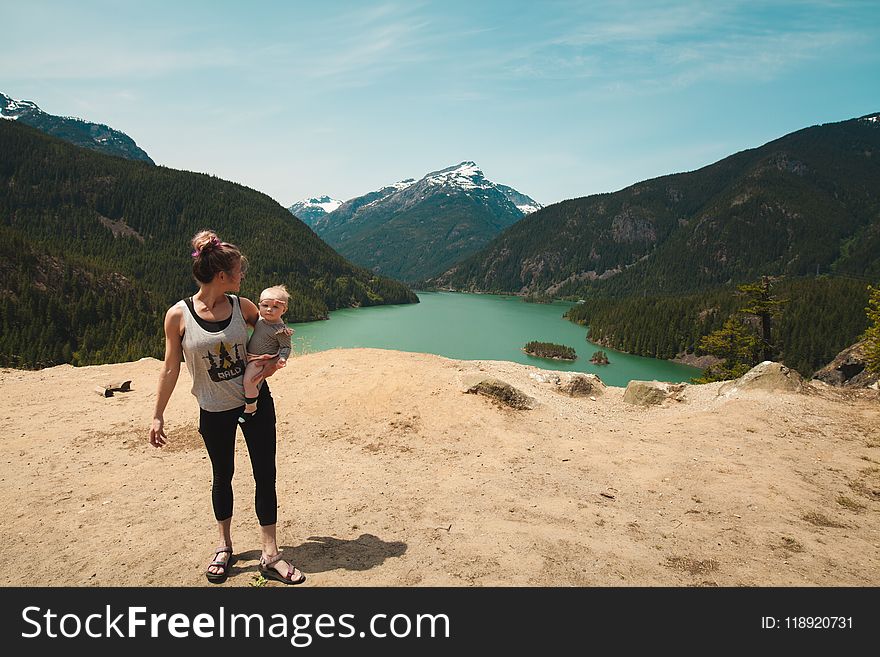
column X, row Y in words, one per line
column 273, row 303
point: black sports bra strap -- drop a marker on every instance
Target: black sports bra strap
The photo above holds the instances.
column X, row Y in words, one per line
column 211, row 327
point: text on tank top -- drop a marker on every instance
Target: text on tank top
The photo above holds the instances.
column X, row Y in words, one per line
column 215, row 358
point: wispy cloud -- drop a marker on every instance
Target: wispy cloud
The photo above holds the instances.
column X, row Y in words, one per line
column 360, row 46
column 658, row 46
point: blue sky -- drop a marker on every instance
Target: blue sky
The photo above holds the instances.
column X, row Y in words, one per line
column 557, row 99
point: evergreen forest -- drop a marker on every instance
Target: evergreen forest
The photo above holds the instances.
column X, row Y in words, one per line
column 821, row 317
column 656, row 264
column 95, row 248
column 805, row 204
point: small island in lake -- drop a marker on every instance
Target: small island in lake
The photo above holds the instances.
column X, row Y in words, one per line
column 550, row 350
column 599, row 358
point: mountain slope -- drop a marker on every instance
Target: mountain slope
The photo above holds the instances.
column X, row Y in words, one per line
column 310, row 210
column 90, row 238
column 414, row 229
column 805, row 202
column 95, row 136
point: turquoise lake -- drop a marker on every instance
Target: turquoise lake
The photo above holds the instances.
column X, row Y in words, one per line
column 478, row 327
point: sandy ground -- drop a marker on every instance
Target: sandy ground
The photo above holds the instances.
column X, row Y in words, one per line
column 389, row 475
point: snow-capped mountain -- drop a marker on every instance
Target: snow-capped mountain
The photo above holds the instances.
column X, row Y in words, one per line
column 413, row 229
column 95, row 136
column 311, row 209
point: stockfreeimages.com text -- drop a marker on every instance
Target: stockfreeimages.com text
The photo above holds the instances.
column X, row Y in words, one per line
column 300, row 629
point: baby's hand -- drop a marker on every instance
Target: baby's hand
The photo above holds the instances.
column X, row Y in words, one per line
column 284, row 331
column 282, row 362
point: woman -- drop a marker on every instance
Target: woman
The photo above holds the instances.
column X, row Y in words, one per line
column 209, row 330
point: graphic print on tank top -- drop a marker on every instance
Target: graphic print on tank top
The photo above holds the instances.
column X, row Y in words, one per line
column 221, row 364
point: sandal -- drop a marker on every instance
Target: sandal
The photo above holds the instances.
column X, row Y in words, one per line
column 219, row 578
column 267, row 571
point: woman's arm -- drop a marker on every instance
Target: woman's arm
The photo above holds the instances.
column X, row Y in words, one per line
column 170, row 372
column 249, row 311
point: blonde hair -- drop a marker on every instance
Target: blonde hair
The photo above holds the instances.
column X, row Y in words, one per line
column 277, row 292
column 211, row 256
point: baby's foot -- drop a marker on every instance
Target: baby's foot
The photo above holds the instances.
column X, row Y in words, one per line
column 249, row 409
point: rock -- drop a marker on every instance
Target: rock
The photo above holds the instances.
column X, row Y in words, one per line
column 650, row 393
column 703, row 362
column 504, row 393
column 107, row 389
column 545, row 377
column 848, row 369
column 583, row 386
column 765, row 376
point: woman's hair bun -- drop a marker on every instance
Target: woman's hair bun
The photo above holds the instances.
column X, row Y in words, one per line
column 211, row 256
column 205, row 239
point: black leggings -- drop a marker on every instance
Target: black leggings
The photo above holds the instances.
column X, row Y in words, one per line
column 218, row 432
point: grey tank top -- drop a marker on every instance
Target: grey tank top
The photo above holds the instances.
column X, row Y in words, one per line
column 216, row 360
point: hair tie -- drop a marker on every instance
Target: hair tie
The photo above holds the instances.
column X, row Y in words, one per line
column 213, row 242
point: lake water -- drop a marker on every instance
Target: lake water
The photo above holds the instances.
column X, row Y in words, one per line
column 478, row 327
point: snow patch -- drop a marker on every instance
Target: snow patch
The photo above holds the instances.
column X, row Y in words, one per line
column 324, row 203
column 20, row 105
column 403, row 184
column 466, row 175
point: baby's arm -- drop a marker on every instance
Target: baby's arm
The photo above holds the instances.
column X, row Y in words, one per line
column 283, row 337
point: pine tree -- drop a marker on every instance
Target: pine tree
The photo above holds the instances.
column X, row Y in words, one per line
column 738, row 347
column 872, row 334
column 760, row 303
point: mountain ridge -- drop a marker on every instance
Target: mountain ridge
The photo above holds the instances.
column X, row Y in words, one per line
column 79, row 132
column 804, row 200
column 76, row 225
column 310, row 210
column 413, row 228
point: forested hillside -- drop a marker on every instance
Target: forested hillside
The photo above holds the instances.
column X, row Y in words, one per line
column 413, row 229
column 807, row 202
column 657, row 263
column 820, row 317
column 95, row 248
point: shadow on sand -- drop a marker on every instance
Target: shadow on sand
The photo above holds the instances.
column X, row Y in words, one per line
column 324, row 553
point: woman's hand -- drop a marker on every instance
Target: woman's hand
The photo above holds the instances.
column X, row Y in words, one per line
column 272, row 366
column 157, row 432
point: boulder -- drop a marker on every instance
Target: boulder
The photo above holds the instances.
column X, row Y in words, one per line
column 651, row 393
column 545, row 377
column 503, row 393
column 848, row 369
column 703, row 362
column 765, row 376
column 583, row 385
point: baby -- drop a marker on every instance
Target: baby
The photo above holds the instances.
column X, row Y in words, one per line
column 268, row 348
